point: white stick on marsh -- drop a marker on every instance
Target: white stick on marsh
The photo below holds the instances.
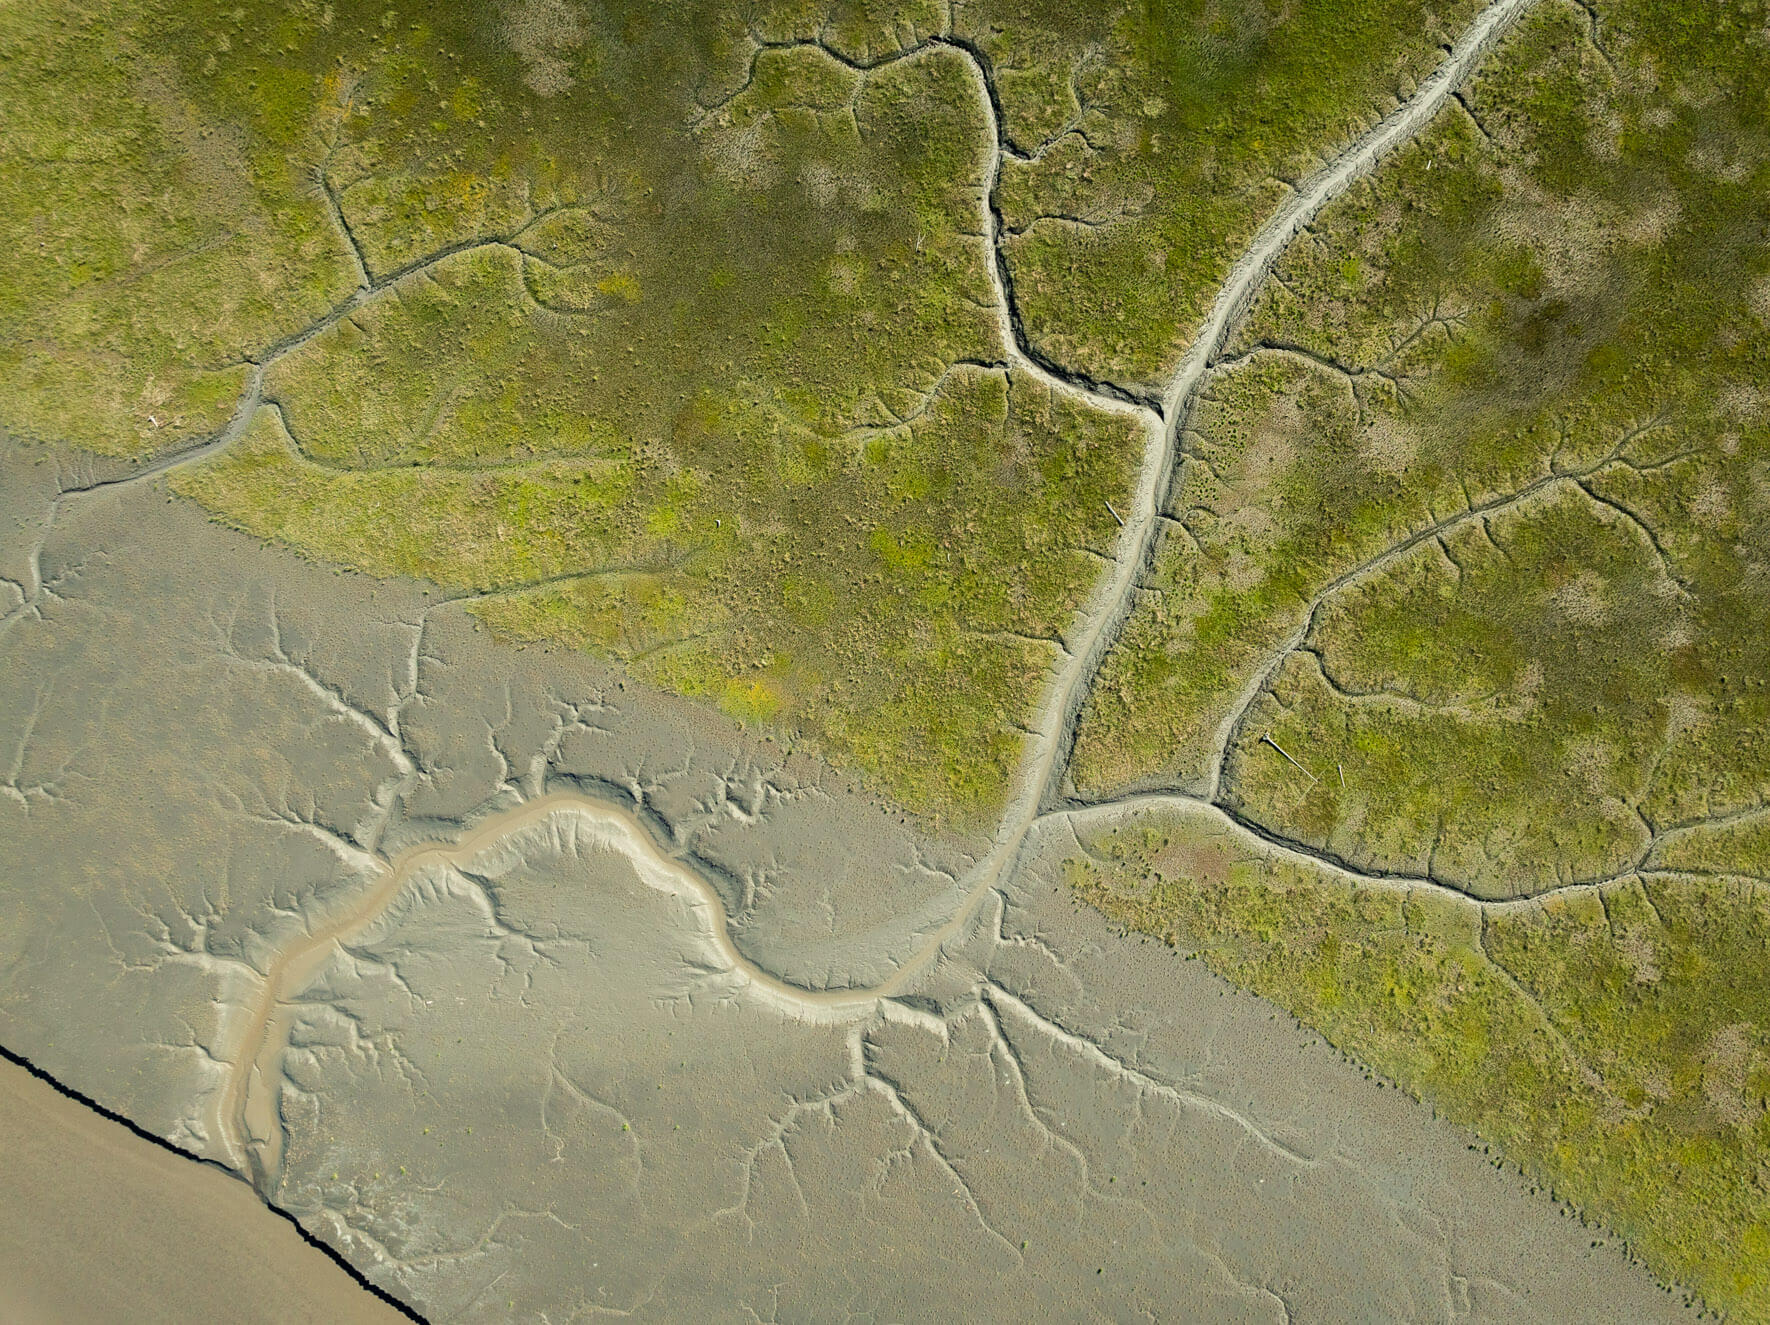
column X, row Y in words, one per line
column 1267, row 737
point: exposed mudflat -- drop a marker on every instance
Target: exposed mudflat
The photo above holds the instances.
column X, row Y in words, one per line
column 627, row 1049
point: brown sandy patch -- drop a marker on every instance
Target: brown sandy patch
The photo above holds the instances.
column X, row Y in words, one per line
column 97, row 1224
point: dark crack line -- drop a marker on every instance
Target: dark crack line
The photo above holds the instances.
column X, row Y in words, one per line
column 1293, row 350
column 237, row 423
column 339, row 467
column 1438, row 318
column 655, row 566
column 1634, row 519
column 1474, row 119
column 334, row 203
column 1005, row 148
column 1699, row 822
column 1351, row 695
column 1641, row 867
column 1530, row 999
column 363, row 296
column 253, row 395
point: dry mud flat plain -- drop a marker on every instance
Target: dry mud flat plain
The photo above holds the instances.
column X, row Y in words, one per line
column 535, row 1083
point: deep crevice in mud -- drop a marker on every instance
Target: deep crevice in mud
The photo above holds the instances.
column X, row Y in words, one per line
column 111, row 1115
column 1004, row 147
column 1322, row 857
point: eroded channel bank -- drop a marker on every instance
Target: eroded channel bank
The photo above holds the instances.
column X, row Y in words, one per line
column 245, row 1110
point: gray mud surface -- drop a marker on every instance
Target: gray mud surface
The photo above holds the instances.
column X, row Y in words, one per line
column 533, row 1082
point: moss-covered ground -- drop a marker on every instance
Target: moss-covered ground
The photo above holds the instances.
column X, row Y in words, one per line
column 700, row 334
column 1163, row 133
column 665, row 297
column 897, row 595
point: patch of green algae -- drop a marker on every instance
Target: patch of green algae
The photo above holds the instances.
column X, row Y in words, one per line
column 148, row 246
column 649, row 302
column 681, row 352
column 1614, row 1043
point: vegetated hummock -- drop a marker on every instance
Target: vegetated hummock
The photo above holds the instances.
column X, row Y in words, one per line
column 1479, row 506
column 697, row 332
